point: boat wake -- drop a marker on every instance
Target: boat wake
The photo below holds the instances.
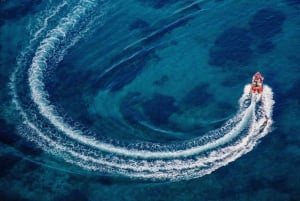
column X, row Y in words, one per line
column 42, row 123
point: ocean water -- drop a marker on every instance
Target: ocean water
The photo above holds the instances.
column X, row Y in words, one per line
column 149, row 100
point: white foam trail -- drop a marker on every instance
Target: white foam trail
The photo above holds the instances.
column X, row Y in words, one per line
column 186, row 160
column 44, row 24
column 48, row 111
column 156, row 169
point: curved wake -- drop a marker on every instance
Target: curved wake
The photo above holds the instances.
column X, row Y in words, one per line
column 156, row 161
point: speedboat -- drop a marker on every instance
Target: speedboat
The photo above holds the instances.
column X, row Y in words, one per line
column 257, row 83
column 257, row 89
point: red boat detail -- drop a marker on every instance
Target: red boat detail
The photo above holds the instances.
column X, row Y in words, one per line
column 257, row 83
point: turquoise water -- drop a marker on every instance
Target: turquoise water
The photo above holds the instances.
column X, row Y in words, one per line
column 149, row 100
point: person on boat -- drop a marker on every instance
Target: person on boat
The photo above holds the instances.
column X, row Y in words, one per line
column 257, row 81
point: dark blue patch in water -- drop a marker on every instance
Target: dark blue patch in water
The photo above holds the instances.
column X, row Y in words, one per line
column 132, row 108
column 7, row 162
column 7, row 133
column 28, row 148
column 128, row 107
column 157, row 4
column 265, row 47
column 138, row 24
column 159, row 108
column 8, row 136
column 10, row 197
column 30, row 166
column 293, row 2
column 74, row 195
column 266, row 23
column 106, row 181
column 2, row 22
column 255, row 184
column 160, row 82
column 198, row 96
column 280, row 184
column 232, row 47
column 293, row 92
column 21, row 9
column 234, row 36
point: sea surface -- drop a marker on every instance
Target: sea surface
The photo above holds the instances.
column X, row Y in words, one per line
column 149, row 100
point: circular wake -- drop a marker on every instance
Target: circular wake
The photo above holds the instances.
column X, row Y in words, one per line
column 144, row 160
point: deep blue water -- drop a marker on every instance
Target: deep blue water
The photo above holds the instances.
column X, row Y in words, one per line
column 139, row 100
